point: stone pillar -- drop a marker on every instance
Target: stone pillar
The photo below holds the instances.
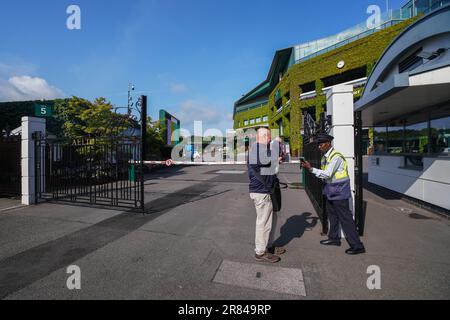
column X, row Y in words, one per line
column 340, row 107
column 30, row 125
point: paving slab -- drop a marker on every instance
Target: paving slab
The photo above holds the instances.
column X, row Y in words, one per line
column 261, row 277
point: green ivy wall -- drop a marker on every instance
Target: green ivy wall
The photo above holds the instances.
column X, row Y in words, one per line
column 362, row 53
column 250, row 114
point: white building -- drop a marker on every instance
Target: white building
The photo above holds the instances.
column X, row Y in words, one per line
column 407, row 101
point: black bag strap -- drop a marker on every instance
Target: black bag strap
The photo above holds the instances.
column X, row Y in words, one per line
column 283, row 185
column 260, row 178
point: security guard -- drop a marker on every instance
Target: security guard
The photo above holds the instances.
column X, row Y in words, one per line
column 337, row 191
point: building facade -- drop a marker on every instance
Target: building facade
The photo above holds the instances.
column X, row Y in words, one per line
column 300, row 76
column 407, row 102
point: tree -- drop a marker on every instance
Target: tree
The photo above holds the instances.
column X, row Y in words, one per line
column 11, row 114
column 154, row 140
column 84, row 119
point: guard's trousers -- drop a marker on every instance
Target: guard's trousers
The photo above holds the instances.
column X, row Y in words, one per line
column 338, row 212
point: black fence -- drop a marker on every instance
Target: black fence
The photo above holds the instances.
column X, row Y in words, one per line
column 314, row 186
column 360, row 204
column 10, row 166
column 311, row 152
column 90, row 171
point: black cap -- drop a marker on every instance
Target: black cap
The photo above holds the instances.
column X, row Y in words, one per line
column 323, row 137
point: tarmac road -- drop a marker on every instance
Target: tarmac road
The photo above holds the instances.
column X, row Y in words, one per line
column 196, row 242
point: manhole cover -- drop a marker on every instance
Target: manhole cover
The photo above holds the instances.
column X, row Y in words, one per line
column 262, row 277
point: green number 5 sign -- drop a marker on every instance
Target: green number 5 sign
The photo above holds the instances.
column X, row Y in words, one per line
column 43, row 111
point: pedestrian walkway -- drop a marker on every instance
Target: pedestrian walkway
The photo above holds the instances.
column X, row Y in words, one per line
column 8, row 203
column 200, row 234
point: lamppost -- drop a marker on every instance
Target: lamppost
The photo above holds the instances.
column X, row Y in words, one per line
column 130, row 98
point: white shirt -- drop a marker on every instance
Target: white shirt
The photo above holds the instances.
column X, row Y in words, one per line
column 336, row 165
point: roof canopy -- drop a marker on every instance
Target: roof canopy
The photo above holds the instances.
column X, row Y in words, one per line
column 412, row 75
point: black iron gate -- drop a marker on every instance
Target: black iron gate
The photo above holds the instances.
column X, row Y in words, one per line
column 10, row 166
column 93, row 172
column 314, row 186
column 311, row 153
column 360, row 204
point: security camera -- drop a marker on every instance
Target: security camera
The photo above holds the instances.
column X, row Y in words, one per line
column 132, row 88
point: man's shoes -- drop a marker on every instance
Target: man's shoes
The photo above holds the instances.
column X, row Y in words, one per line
column 278, row 251
column 330, row 242
column 267, row 257
column 354, row 251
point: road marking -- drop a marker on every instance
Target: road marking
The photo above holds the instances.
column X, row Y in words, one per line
column 230, row 172
column 12, row 208
column 206, row 163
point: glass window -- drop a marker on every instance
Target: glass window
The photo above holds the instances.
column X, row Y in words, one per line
column 258, row 120
column 422, row 5
column 379, row 140
column 245, row 122
column 252, row 121
column 265, row 118
column 416, row 138
column 395, row 140
column 440, row 135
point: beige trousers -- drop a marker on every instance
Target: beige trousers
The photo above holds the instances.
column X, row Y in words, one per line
column 266, row 222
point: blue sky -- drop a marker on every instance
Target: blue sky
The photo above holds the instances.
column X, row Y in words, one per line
column 194, row 58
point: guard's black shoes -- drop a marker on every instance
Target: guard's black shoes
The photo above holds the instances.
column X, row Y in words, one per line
column 355, row 251
column 330, row 242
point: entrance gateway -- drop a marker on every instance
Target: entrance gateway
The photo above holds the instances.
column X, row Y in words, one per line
column 314, row 186
column 92, row 172
column 105, row 171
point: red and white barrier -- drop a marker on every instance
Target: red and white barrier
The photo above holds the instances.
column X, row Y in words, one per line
column 170, row 163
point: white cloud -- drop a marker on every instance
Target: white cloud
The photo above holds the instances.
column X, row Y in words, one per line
column 178, row 87
column 191, row 110
column 23, row 88
column 16, row 67
column 210, row 115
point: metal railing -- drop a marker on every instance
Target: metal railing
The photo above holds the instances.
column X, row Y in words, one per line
column 349, row 40
column 93, row 172
column 311, row 152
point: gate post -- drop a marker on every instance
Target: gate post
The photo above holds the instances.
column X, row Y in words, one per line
column 340, row 107
column 143, row 148
column 30, row 125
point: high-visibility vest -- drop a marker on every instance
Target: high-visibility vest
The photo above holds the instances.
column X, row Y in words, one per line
column 338, row 176
column 338, row 186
